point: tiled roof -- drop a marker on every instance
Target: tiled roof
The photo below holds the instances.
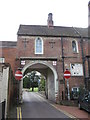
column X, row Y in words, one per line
column 37, row 30
column 8, row 44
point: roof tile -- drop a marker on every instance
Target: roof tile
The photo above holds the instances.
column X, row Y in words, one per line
column 37, row 30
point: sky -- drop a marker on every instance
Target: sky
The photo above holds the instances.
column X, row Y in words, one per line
column 35, row 12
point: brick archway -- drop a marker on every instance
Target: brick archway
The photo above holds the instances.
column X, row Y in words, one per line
column 52, row 72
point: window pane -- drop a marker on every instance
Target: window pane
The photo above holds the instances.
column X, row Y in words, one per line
column 2, row 60
column 74, row 47
column 39, row 46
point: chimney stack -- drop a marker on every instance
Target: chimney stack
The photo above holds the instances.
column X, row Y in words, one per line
column 50, row 20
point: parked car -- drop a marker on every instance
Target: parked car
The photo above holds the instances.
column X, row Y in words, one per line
column 84, row 102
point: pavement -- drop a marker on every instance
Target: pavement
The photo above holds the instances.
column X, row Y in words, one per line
column 72, row 111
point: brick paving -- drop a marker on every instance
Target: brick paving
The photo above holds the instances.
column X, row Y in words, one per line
column 73, row 111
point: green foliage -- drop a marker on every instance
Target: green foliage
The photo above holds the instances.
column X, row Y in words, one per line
column 26, row 82
column 82, row 90
column 42, row 84
column 31, row 80
column 34, row 90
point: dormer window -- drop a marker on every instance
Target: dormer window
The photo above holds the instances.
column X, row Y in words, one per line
column 38, row 46
column 74, row 46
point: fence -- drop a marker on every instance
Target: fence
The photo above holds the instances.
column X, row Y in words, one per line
column 7, row 90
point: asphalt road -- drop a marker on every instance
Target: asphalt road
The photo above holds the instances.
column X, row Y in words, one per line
column 34, row 106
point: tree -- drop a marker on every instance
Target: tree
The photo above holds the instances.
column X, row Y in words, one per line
column 42, row 83
column 26, row 82
column 33, row 79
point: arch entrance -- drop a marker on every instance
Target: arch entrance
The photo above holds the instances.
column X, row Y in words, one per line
column 50, row 74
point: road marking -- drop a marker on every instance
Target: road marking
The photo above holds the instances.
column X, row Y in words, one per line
column 19, row 113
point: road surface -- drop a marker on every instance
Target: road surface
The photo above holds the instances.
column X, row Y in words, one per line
column 34, row 106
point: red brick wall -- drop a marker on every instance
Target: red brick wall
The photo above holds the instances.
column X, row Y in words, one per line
column 56, row 51
column 10, row 56
column 72, row 57
column 0, row 52
column 29, row 51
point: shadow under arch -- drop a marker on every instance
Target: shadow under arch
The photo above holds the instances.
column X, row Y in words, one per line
column 50, row 67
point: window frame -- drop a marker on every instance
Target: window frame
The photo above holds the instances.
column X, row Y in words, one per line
column 36, row 48
column 77, row 51
column 2, row 60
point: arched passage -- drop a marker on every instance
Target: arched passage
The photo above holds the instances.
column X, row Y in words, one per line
column 49, row 72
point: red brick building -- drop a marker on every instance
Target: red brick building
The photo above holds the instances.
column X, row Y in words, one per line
column 50, row 50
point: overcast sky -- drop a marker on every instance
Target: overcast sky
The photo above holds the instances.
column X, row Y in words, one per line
column 35, row 12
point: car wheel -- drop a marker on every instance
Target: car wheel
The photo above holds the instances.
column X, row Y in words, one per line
column 79, row 106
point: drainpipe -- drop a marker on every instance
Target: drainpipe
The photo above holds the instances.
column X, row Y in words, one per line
column 83, row 60
column 62, row 53
column 83, row 57
column 88, row 67
column 89, row 44
column 63, row 60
